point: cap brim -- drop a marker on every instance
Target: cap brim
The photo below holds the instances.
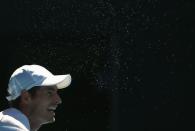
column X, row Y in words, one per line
column 61, row 81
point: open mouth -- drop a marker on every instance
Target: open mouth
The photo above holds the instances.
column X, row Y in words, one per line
column 52, row 110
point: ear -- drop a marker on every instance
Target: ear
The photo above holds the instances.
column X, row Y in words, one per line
column 25, row 97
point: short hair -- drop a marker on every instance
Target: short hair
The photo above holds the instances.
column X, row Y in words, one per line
column 16, row 103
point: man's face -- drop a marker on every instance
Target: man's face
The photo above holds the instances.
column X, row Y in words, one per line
column 44, row 103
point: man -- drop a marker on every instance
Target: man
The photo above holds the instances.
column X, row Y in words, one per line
column 33, row 98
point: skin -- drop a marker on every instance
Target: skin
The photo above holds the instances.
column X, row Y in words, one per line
column 40, row 108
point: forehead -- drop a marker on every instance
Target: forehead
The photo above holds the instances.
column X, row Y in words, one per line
column 51, row 88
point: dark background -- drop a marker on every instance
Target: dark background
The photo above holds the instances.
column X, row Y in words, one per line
column 130, row 60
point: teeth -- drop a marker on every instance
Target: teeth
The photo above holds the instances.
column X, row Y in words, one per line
column 52, row 108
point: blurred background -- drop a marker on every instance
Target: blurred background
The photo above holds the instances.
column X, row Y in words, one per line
column 131, row 61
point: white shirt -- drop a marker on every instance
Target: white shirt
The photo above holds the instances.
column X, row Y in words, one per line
column 12, row 119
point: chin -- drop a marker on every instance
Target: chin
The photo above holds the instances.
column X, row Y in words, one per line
column 51, row 120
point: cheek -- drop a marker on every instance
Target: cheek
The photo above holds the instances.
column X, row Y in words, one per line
column 39, row 106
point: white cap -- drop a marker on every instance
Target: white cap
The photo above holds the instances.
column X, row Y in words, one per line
column 28, row 76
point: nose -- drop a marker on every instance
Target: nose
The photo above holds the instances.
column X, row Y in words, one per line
column 58, row 99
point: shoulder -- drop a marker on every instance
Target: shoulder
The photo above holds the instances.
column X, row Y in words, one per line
column 10, row 128
column 9, row 123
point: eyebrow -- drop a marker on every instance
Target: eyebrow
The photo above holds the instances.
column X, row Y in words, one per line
column 50, row 89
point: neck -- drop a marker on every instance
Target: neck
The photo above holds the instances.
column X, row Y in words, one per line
column 35, row 123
